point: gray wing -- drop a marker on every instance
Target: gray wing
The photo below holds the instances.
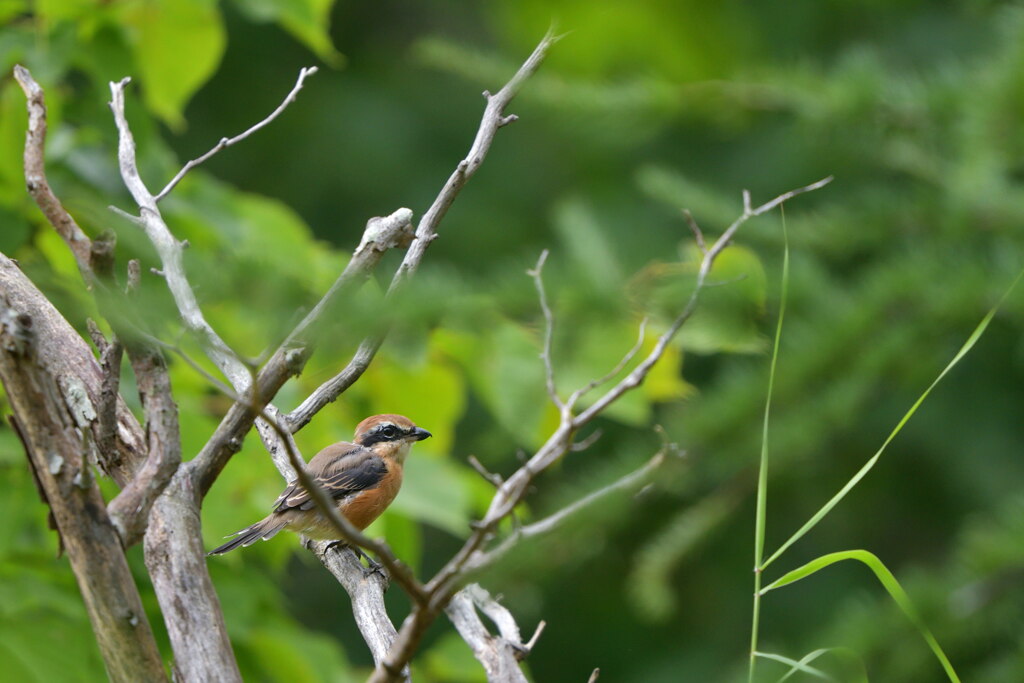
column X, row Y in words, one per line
column 347, row 468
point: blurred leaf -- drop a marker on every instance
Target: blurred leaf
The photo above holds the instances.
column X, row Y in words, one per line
column 450, row 660
column 12, row 8
column 402, row 534
column 63, row 10
column 731, row 304
column 591, row 252
column 178, row 44
column 13, row 124
column 307, row 20
column 711, row 209
column 289, row 654
column 433, row 396
column 651, row 575
column 433, row 490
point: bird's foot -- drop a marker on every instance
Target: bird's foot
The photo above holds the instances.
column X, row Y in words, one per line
column 372, row 566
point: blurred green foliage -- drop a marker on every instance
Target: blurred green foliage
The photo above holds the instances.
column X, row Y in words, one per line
column 643, row 109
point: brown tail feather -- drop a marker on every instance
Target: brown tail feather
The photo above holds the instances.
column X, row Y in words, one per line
column 263, row 529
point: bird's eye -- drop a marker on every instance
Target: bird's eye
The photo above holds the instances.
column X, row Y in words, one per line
column 389, row 431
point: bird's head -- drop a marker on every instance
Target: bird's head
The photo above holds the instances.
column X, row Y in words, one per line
column 389, row 434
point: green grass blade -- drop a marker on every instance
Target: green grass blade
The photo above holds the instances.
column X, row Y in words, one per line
column 888, row 581
column 762, row 474
column 844, row 654
column 825, row 509
column 795, row 666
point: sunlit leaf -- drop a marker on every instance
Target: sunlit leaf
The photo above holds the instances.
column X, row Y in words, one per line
column 178, row 44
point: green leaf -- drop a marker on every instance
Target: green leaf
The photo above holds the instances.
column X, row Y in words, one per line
column 307, row 20
column 888, row 581
column 177, row 44
column 825, row 509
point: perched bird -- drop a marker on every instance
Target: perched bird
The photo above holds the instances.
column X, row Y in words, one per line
column 362, row 478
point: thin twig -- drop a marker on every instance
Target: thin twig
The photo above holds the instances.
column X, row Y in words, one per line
column 227, row 142
column 632, row 480
column 695, row 229
column 636, row 377
column 626, row 359
column 516, row 486
column 491, row 477
column 549, row 327
column 584, row 444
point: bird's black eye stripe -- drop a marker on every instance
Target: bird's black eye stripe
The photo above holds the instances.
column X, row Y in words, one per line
column 384, row 432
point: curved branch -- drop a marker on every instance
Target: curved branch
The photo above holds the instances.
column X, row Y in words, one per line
column 35, row 176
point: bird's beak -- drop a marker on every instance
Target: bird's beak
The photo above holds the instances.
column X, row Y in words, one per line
column 419, row 434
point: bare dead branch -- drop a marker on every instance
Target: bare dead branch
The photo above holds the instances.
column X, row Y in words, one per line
column 176, row 562
column 366, row 591
column 500, row 655
column 106, row 408
column 64, row 353
column 594, row 675
column 169, row 249
column 35, row 175
column 129, row 510
column 51, row 430
column 227, row 142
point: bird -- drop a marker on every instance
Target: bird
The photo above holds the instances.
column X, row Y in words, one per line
column 362, row 478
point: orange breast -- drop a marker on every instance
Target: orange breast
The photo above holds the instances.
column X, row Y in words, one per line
column 364, row 507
